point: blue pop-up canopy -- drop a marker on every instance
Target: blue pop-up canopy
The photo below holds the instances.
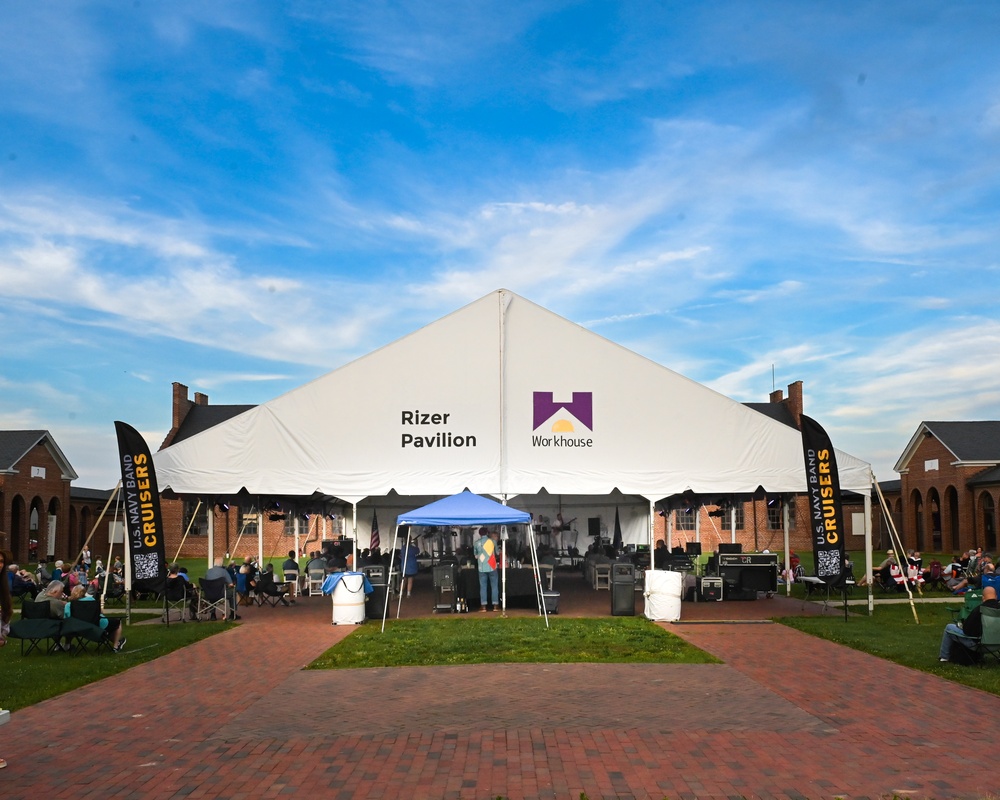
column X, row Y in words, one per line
column 467, row 508
column 464, row 509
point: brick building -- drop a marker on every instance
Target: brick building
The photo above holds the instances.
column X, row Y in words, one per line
column 950, row 487
column 759, row 519
column 41, row 514
column 235, row 519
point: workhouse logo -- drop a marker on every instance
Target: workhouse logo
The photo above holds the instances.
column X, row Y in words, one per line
column 561, row 418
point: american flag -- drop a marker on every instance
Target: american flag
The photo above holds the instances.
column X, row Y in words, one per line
column 376, row 540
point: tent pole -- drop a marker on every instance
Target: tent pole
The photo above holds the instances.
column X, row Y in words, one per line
column 503, row 557
column 868, row 548
column 93, row 530
column 111, row 545
column 187, row 530
column 388, row 582
column 211, row 532
column 898, row 544
column 403, row 561
column 788, row 551
column 538, row 575
column 354, row 537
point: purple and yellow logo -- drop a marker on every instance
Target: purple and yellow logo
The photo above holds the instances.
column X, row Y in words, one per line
column 565, row 416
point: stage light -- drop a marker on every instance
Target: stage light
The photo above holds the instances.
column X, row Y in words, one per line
column 223, row 507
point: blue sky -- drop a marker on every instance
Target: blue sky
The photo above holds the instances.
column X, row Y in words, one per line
column 242, row 196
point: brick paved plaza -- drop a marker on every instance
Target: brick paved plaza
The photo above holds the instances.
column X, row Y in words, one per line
column 235, row 716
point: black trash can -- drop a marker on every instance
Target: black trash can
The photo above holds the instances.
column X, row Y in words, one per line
column 375, row 602
column 623, row 589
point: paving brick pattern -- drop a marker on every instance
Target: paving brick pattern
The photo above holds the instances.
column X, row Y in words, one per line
column 234, row 716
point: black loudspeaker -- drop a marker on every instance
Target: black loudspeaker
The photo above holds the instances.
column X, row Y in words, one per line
column 733, row 548
column 692, row 548
column 594, row 527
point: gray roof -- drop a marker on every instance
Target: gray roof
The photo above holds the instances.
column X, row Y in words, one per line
column 201, row 418
column 82, row 493
column 987, row 477
column 969, row 441
column 15, row 445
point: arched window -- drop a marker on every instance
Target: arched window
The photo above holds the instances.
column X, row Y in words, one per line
column 934, row 517
column 917, row 504
column 988, row 515
column 951, row 504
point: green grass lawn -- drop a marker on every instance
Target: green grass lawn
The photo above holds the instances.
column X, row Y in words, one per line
column 431, row 642
column 891, row 633
column 36, row 677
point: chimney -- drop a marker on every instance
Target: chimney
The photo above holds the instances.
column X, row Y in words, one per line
column 775, row 396
column 181, row 404
column 794, row 402
column 200, row 399
column 181, row 407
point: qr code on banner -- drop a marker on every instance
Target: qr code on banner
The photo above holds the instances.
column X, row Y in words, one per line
column 146, row 565
column 829, row 563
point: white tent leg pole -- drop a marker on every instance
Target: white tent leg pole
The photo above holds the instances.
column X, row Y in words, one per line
column 354, row 546
column 260, row 540
column 868, row 551
column 211, row 533
column 732, row 524
column 388, row 581
column 503, row 574
column 788, row 552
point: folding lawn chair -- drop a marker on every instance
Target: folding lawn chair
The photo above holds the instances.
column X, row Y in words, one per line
column 213, row 596
column 989, row 642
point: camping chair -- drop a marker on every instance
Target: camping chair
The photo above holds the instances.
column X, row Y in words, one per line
column 84, row 626
column 36, row 626
column 116, row 589
column 971, row 598
column 269, row 592
column 602, row 576
column 936, row 579
column 214, row 595
column 175, row 597
column 989, row 642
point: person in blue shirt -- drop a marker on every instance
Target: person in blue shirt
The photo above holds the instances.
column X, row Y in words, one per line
column 408, row 554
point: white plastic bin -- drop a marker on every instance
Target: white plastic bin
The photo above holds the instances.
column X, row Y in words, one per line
column 349, row 599
column 663, row 595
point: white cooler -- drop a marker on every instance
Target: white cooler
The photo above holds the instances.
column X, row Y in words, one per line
column 349, row 599
column 663, row 595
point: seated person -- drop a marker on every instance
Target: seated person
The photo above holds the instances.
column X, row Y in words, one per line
column 219, row 572
column 55, row 594
column 190, row 592
column 112, row 626
column 968, row 632
column 21, row 582
column 883, row 572
column 660, row 559
column 973, row 580
column 267, row 585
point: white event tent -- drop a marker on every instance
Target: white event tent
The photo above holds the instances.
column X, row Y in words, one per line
column 504, row 398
